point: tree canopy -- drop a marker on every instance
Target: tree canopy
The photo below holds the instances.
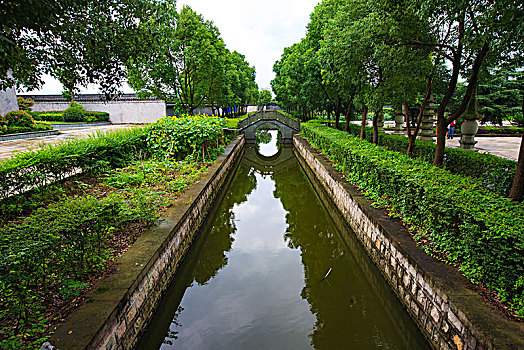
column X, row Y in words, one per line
column 188, row 61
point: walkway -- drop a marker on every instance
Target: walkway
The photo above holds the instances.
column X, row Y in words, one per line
column 505, row 146
column 8, row 147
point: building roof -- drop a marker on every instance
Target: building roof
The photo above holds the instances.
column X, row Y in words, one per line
column 84, row 98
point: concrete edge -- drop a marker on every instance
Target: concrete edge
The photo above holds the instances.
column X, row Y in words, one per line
column 441, row 301
column 79, row 125
column 28, row 135
column 119, row 307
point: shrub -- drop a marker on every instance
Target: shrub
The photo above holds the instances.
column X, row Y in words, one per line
column 19, row 118
column 481, row 231
column 3, row 125
column 51, row 163
column 493, row 172
column 23, row 104
column 92, row 116
column 74, row 113
column 58, row 116
column 53, row 116
column 173, row 137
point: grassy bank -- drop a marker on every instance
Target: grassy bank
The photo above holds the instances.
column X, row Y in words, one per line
column 64, row 234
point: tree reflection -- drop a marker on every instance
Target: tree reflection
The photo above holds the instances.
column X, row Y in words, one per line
column 220, row 237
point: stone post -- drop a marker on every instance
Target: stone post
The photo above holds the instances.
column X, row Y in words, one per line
column 427, row 125
column 399, row 121
column 470, row 126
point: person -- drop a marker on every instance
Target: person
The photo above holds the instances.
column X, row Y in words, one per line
column 452, row 129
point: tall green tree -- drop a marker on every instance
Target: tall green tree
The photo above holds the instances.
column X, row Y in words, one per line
column 78, row 42
column 264, row 98
column 186, row 61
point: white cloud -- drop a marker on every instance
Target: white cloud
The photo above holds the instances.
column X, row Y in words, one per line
column 257, row 29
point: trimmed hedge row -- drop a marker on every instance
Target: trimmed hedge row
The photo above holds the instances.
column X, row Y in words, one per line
column 58, row 116
column 495, row 173
column 31, row 170
column 481, row 231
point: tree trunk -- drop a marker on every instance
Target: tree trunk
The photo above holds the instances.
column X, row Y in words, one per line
column 363, row 124
column 349, row 110
column 375, row 128
column 337, row 113
column 413, row 137
column 442, row 121
column 517, row 189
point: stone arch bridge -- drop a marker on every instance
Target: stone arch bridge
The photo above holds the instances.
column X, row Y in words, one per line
column 264, row 119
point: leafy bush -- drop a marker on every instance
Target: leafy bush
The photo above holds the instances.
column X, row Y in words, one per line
column 505, row 130
column 58, row 116
column 35, row 127
column 19, row 118
column 173, row 137
column 74, row 113
column 51, row 163
column 493, row 172
column 3, row 125
column 92, row 116
column 53, row 116
column 23, row 104
column 478, row 229
column 51, row 250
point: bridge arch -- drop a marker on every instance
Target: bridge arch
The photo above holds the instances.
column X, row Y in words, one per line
column 285, row 125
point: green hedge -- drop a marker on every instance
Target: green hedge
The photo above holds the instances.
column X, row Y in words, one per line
column 57, row 116
column 480, row 230
column 495, row 173
column 55, row 162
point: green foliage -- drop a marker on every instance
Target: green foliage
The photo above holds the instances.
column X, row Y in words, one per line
column 232, row 123
column 74, row 113
column 25, row 105
column 492, row 172
column 52, row 163
column 58, row 116
column 264, row 98
column 187, row 62
column 52, row 116
column 481, row 231
column 19, row 118
column 173, row 137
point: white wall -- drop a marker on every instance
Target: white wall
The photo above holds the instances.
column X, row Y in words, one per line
column 120, row 112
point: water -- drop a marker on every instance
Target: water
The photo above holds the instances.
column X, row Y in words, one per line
column 254, row 278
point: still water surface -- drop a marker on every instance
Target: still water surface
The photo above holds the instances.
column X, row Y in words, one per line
column 254, row 278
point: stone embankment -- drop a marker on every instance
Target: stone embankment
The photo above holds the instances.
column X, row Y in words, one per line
column 442, row 301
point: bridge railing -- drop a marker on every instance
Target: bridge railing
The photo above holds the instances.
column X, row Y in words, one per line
column 269, row 116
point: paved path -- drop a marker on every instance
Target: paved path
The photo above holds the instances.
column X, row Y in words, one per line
column 8, row 147
column 505, row 146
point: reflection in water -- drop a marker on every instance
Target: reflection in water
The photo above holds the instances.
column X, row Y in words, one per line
column 267, row 142
column 254, row 277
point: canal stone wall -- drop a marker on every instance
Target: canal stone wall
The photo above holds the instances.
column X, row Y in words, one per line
column 120, row 306
column 442, row 302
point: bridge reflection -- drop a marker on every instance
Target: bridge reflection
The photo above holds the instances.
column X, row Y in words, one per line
column 277, row 163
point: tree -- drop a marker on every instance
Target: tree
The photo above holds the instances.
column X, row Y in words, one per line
column 466, row 34
column 187, row 59
column 78, row 42
column 264, row 98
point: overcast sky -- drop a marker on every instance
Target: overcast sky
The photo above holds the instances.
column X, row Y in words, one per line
column 257, row 29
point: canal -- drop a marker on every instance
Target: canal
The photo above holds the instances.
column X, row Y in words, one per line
column 275, row 267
